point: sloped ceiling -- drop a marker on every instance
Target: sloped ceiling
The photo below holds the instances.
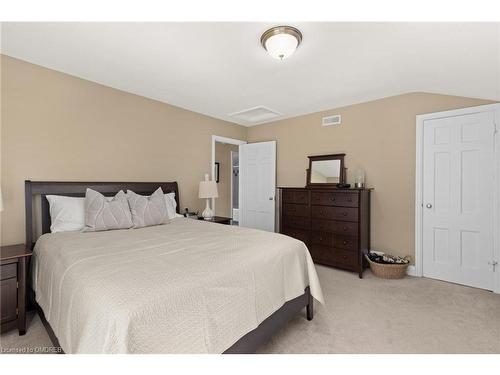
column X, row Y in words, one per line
column 220, row 68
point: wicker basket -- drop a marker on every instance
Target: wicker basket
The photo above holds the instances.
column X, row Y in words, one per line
column 388, row 271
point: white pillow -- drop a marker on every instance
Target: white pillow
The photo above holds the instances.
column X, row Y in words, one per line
column 66, row 213
column 171, row 205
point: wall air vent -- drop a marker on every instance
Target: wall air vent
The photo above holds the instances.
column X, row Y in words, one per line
column 255, row 115
column 331, row 120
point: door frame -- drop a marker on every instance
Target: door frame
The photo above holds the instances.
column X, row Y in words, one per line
column 420, row 123
column 221, row 139
column 232, row 183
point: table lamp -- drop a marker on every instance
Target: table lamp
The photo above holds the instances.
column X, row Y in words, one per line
column 208, row 190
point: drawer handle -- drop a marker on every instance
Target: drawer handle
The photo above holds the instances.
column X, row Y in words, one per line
column 321, row 239
column 344, row 228
column 332, row 199
column 349, row 199
column 344, row 213
column 344, row 256
column 345, row 242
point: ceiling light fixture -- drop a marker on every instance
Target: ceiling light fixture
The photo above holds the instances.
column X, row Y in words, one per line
column 281, row 41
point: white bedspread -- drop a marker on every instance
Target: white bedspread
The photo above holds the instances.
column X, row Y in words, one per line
column 184, row 287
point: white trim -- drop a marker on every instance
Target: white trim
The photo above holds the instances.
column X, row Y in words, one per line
column 420, row 119
column 218, row 138
column 231, row 155
column 410, row 271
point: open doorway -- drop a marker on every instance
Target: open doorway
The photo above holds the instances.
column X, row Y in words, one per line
column 225, row 171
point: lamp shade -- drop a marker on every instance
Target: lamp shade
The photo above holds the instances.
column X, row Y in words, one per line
column 208, row 189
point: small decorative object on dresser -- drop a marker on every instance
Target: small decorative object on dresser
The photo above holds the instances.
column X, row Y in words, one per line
column 360, row 178
column 333, row 222
column 208, row 190
column 13, row 260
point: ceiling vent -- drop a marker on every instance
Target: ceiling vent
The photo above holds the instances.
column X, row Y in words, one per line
column 331, row 120
column 256, row 114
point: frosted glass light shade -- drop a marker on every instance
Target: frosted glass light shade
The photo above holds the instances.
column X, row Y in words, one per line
column 281, row 46
column 281, row 41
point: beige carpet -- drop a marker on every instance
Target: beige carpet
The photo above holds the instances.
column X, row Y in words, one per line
column 414, row 315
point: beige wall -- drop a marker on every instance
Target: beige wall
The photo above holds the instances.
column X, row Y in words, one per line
column 59, row 127
column 223, row 156
column 378, row 136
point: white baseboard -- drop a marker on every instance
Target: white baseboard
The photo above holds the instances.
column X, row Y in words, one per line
column 411, row 271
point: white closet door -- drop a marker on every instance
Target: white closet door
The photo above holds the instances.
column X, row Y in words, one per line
column 458, row 188
column 257, row 181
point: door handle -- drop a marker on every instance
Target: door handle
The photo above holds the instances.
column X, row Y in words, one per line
column 493, row 263
column 428, row 205
column 271, row 198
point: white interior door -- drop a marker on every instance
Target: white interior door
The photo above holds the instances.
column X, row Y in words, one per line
column 257, row 180
column 458, row 188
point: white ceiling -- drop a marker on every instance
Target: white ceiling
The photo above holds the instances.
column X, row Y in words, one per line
column 220, row 68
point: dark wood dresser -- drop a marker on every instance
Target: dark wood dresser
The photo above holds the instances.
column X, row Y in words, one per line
column 334, row 223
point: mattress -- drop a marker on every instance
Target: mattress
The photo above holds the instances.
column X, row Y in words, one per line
column 185, row 287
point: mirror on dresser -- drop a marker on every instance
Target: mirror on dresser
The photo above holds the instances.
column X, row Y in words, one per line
column 326, row 170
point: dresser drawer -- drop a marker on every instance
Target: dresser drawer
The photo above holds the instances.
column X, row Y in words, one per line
column 335, row 213
column 8, row 292
column 345, row 242
column 299, row 222
column 294, row 196
column 8, row 270
column 321, row 254
column 345, row 257
column 300, row 234
column 334, row 199
column 334, row 256
column 300, row 210
column 337, row 227
column 322, row 238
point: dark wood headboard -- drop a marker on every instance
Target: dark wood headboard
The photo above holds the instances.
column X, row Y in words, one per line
column 77, row 189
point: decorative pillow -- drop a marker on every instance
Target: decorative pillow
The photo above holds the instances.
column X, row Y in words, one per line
column 171, row 205
column 147, row 211
column 66, row 213
column 104, row 214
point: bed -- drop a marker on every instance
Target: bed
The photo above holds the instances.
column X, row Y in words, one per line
column 185, row 287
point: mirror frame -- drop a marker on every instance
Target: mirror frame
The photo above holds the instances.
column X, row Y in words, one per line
column 326, row 157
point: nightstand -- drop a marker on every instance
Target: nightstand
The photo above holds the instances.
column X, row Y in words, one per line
column 218, row 219
column 13, row 260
